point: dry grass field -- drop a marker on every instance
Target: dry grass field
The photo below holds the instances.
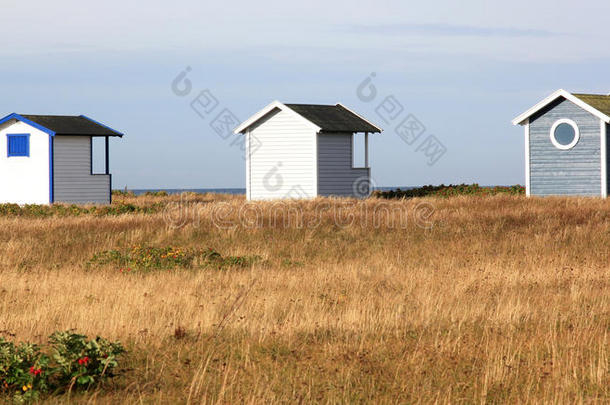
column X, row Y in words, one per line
column 484, row 300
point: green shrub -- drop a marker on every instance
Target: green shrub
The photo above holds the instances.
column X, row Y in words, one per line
column 160, row 193
column 450, row 190
column 69, row 361
column 22, row 370
column 81, row 362
column 123, row 193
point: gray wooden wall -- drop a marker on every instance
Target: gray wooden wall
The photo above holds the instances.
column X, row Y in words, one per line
column 72, row 178
column 336, row 177
column 576, row 171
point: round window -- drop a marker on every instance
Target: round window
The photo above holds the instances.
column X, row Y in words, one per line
column 565, row 134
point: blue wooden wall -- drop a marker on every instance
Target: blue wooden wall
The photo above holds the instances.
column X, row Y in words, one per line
column 576, row 171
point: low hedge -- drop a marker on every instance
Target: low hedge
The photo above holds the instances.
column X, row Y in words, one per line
column 450, row 190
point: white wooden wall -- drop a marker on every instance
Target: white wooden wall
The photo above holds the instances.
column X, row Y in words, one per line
column 24, row 180
column 282, row 158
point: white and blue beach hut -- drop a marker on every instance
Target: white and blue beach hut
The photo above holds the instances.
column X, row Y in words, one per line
column 48, row 158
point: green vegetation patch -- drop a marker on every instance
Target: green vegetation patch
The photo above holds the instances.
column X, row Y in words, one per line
column 62, row 210
column 451, row 190
column 148, row 258
column 129, row 193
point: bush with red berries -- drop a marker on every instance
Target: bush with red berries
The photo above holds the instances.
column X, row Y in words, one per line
column 70, row 361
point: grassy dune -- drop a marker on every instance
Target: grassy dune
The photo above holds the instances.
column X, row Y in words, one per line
column 470, row 299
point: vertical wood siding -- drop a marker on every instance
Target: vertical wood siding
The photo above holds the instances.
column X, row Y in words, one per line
column 336, row 177
column 24, row 179
column 576, row 171
column 73, row 181
column 282, row 158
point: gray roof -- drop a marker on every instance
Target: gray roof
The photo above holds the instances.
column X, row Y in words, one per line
column 333, row 118
column 72, row 125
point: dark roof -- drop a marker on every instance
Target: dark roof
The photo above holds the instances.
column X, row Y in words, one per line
column 333, row 118
column 72, row 125
column 598, row 101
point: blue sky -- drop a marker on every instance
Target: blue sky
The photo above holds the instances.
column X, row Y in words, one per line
column 464, row 69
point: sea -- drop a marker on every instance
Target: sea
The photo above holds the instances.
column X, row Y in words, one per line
column 235, row 191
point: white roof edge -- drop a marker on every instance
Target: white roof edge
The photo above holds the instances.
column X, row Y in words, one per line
column 361, row 117
column 521, row 119
column 274, row 104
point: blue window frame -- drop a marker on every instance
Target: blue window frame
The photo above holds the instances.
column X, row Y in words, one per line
column 18, row 144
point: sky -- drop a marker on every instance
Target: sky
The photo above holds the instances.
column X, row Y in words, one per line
column 463, row 70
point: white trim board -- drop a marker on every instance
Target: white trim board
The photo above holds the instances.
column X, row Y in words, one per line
column 604, row 158
column 275, row 104
column 520, row 120
column 316, row 174
column 248, row 168
column 528, row 185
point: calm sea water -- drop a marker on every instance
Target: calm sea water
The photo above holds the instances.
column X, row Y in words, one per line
column 226, row 190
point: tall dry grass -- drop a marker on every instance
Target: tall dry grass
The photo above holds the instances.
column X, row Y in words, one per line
column 504, row 299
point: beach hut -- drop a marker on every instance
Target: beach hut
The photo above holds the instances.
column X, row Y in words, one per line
column 48, row 158
column 305, row 151
column 566, row 145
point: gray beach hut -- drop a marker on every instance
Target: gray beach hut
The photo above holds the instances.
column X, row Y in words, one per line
column 566, row 145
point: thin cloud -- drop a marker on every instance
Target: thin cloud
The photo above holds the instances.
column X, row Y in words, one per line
column 450, row 30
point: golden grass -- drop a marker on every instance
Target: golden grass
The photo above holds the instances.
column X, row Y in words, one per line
column 504, row 299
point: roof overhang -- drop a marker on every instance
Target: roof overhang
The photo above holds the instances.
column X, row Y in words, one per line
column 379, row 130
column 275, row 104
column 523, row 118
column 119, row 134
column 17, row 117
